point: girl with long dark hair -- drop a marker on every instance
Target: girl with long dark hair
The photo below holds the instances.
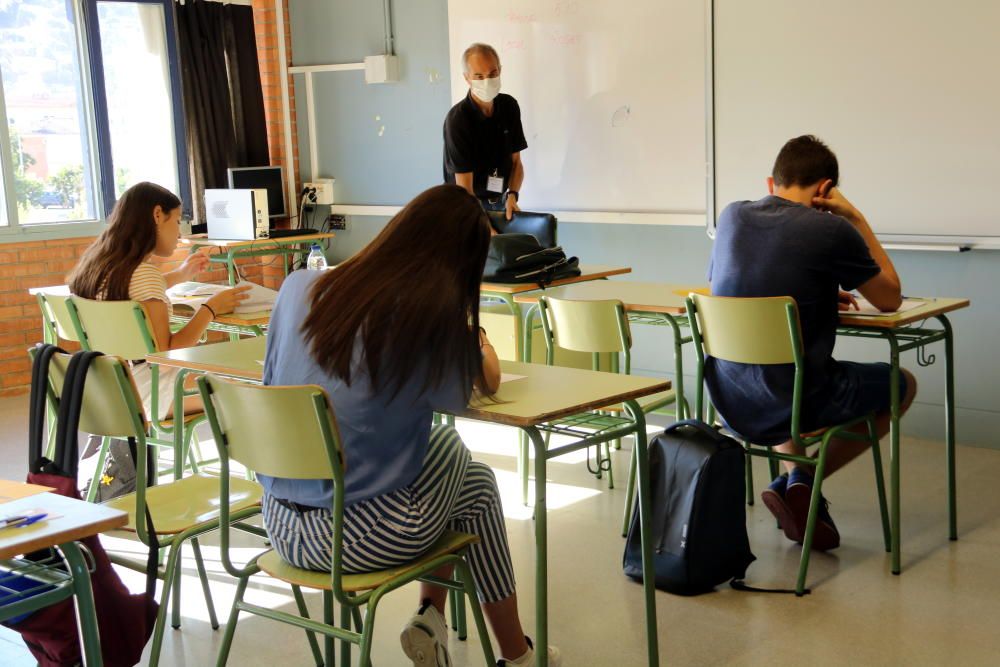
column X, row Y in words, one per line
column 393, row 335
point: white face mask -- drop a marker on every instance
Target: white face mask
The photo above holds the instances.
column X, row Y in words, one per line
column 485, row 89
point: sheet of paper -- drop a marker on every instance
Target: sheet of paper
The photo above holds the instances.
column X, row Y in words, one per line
column 510, row 377
column 867, row 309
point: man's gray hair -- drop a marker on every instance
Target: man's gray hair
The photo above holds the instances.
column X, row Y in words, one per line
column 480, row 49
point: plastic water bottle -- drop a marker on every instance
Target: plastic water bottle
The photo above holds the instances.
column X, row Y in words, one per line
column 316, row 260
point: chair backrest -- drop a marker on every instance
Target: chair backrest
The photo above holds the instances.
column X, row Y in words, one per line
column 119, row 328
column 585, row 326
column 278, row 431
column 759, row 331
column 56, row 315
column 540, row 225
column 111, row 404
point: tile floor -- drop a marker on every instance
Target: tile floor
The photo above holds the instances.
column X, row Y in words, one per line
column 941, row 611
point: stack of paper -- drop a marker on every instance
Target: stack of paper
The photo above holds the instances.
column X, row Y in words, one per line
column 866, row 308
column 194, row 294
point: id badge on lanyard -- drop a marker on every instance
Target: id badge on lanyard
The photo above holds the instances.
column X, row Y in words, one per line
column 494, row 182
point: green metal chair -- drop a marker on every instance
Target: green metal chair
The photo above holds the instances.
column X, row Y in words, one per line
column 765, row 331
column 58, row 324
column 594, row 327
column 248, row 421
column 122, row 328
column 181, row 510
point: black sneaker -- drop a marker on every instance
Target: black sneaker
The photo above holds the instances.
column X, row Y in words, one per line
column 797, row 497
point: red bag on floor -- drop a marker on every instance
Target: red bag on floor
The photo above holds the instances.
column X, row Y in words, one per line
column 125, row 620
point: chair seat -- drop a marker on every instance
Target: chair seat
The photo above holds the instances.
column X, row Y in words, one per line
column 450, row 542
column 188, row 502
column 188, row 418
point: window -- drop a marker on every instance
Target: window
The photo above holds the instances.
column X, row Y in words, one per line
column 86, row 118
column 48, row 128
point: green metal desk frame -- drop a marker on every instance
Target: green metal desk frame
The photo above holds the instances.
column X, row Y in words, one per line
column 904, row 339
column 284, row 247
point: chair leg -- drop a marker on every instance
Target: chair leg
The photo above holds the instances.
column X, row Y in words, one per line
column 365, row 658
column 170, row 575
column 773, row 467
column 458, row 602
column 200, row 562
column 234, row 613
column 328, row 656
column 749, row 472
column 453, row 608
column 192, row 450
column 629, row 491
column 883, row 508
column 465, row 575
column 814, row 501
column 611, row 473
column 522, row 464
column 175, row 609
column 95, row 482
column 345, row 646
column 300, row 602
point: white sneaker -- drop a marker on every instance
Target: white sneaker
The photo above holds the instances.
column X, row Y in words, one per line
column 555, row 657
column 425, row 638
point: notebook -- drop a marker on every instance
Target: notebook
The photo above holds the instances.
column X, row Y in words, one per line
column 194, row 294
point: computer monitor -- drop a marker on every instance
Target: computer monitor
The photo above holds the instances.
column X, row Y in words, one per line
column 271, row 179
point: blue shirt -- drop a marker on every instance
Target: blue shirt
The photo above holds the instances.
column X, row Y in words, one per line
column 776, row 247
column 384, row 439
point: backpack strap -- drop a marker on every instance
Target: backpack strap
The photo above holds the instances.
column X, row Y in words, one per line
column 152, row 560
column 70, row 406
column 702, row 427
column 740, row 585
column 36, row 405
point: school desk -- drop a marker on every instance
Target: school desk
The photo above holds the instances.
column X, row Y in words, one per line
column 69, row 520
column 544, row 394
column 229, row 251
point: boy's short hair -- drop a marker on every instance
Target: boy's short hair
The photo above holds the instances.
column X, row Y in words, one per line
column 803, row 161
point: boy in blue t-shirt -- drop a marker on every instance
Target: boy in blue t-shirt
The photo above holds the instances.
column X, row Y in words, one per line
column 807, row 241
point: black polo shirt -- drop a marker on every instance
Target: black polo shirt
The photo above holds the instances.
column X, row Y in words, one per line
column 477, row 143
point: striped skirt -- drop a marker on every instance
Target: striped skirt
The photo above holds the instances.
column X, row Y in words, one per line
column 451, row 492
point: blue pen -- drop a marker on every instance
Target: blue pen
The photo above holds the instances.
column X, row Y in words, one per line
column 34, row 518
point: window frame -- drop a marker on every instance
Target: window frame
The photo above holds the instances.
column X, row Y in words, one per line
column 93, row 93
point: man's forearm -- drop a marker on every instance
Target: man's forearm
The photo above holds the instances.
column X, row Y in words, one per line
column 516, row 177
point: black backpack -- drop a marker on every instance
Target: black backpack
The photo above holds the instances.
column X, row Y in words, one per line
column 698, row 519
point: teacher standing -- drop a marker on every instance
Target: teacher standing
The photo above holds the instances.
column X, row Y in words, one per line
column 483, row 137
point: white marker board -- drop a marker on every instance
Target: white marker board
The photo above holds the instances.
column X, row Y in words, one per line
column 906, row 92
column 612, row 97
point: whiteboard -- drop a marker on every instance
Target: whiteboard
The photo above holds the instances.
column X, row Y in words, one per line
column 905, row 92
column 612, row 97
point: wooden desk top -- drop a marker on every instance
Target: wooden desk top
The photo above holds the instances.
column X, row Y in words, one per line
column 243, row 358
column 933, row 306
column 198, row 241
column 587, row 272
column 10, row 490
column 551, row 392
column 260, row 318
column 636, row 296
column 74, row 520
column 548, row 392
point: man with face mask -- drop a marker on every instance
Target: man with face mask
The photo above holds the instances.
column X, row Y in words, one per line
column 483, row 137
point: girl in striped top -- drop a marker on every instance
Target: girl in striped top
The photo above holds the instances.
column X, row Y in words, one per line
column 116, row 267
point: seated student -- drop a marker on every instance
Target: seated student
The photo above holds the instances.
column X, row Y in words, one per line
column 393, row 335
column 807, row 241
column 116, row 267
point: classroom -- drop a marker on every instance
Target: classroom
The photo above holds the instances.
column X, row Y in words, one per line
column 632, row 281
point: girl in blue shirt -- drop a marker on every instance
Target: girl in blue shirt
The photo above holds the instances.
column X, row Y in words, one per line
column 393, row 336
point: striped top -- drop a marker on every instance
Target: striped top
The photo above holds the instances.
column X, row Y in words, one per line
column 148, row 284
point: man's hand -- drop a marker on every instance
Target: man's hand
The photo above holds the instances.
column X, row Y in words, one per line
column 845, row 300
column 194, row 264
column 835, row 202
column 512, row 206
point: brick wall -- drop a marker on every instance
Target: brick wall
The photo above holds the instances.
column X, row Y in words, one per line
column 43, row 263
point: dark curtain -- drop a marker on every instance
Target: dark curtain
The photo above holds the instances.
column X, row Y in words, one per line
column 223, row 99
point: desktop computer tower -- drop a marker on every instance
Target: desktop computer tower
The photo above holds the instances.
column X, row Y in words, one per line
column 237, row 215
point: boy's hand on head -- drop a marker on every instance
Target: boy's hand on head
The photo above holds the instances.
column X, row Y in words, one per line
column 835, row 202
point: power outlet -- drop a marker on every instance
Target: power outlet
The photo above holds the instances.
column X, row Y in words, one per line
column 319, row 191
column 337, row 222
